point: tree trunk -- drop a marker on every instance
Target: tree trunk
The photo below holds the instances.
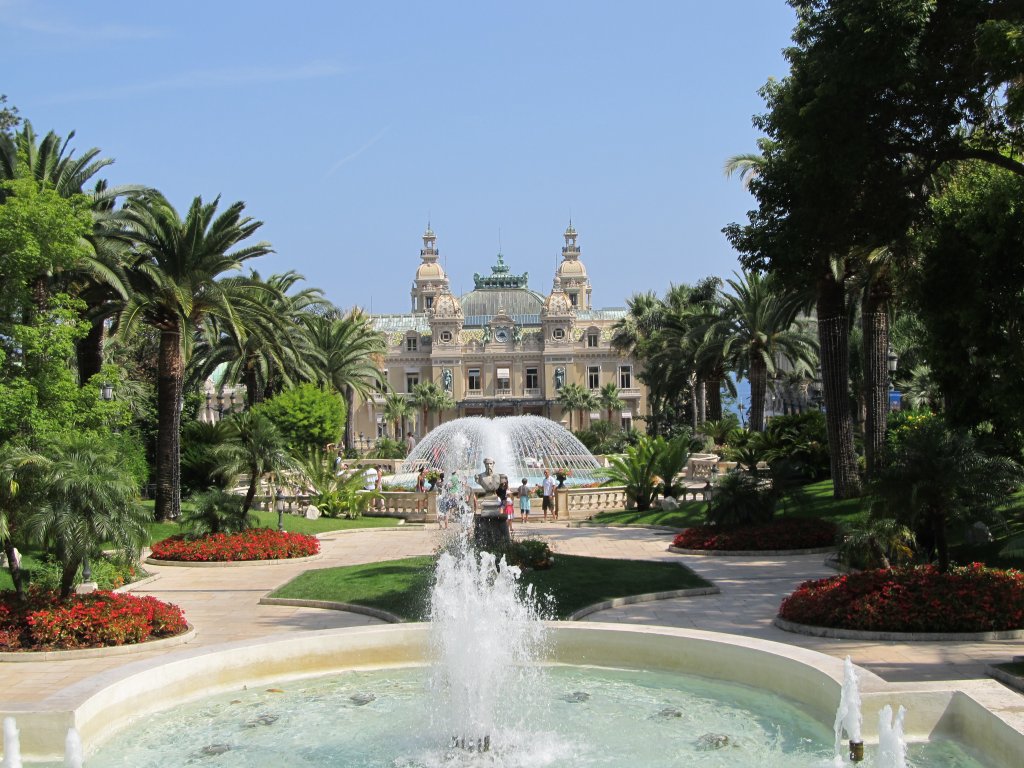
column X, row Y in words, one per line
column 168, row 440
column 89, row 351
column 834, row 340
column 694, row 402
column 253, row 392
column 702, row 401
column 17, row 575
column 250, row 493
column 941, row 544
column 758, row 388
column 67, row 578
column 350, row 405
column 875, row 319
column 714, row 395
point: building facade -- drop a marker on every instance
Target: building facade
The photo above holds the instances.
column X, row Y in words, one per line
column 503, row 349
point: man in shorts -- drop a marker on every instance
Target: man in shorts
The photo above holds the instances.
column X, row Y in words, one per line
column 548, row 502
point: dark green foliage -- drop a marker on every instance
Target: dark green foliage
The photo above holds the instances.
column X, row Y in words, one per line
column 602, row 438
column 672, row 456
column 386, row 448
column 800, row 441
column 935, row 474
column 740, row 499
column 216, row 511
column 202, row 461
column 968, row 294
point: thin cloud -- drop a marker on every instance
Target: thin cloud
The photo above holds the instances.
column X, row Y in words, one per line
column 203, row 79
column 26, row 16
column 350, row 157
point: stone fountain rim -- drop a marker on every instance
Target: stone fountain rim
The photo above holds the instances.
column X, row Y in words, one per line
column 109, row 701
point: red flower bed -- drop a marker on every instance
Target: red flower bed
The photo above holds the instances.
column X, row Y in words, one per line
column 789, row 533
column 254, row 544
column 45, row 622
column 972, row 598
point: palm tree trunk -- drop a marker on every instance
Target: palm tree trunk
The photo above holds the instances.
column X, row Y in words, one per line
column 253, row 392
column 250, row 492
column 758, row 389
column 875, row 320
column 834, row 341
column 89, row 352
column 714, row 395
column 693, row 402
column 17, row 575
column 350, row 406
column 170, row 374
column 702, row 401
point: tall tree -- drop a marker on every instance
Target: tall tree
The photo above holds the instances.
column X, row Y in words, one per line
column 431, row 398
column 397, row 409
column 349, row 349
column 272, row 349
column 174, row 282
column 609, row 399
column 758, row 330
column 575, row 398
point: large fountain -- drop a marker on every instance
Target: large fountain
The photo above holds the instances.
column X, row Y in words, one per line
column 488, row 683
column 521, row 446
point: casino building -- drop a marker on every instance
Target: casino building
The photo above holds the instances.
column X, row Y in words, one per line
column 503, row 348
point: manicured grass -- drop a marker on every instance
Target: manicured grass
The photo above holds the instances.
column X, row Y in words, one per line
column 402, row 586
column 814, row 501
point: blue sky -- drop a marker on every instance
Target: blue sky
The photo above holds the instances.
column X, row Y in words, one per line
column 344, row 126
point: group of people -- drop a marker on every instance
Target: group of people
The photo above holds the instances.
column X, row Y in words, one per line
column 524, row 493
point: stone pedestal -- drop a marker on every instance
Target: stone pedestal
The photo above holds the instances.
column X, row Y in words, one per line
column 490, row 527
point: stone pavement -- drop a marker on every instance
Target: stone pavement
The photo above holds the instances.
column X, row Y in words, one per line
column 223, row 604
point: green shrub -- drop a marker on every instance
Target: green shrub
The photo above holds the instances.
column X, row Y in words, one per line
column 216, row 511
column 740, row 499
column 109, row 573
column 532, row 554
column 307, row 416
column 387, row 448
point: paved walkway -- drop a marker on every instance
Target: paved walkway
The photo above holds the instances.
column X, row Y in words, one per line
column 223, row 604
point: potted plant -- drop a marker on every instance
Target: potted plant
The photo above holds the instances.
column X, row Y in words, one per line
column 561, row 475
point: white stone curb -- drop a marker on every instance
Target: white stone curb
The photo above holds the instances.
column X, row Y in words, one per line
column 909, row 637
column 231, row 563
column 751, row 552
column 162, row 643
column 331, row 605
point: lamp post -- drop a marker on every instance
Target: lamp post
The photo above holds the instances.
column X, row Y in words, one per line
column 892, row 360
column 106, row 391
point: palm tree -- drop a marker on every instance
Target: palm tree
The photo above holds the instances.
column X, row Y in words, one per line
column 396, row 410
column 87, row 499
column 272, row 350
column 348, row 348
column 174, row 281
column 431, row 398
column 609, row 399
column 760, row 329
column 574, row 398
column 257, row 448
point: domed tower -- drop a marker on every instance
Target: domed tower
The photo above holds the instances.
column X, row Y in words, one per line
column 571, row 275
column 557, row 316
column 430, row 276
column 446, row 321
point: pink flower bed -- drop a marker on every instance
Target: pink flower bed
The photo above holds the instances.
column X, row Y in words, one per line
column 44, row 622
column 254, row 544
column 971, row 598
column 778, row 535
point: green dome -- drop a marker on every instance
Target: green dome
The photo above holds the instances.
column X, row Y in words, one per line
column 521, row 304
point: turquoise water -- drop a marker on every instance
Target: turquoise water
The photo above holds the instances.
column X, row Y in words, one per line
column 586, row 717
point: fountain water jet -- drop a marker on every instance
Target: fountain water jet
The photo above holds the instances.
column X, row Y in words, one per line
column 521, row 446
column 892, row 749
column 848, row 715
column 12, row 744
column 485, row 633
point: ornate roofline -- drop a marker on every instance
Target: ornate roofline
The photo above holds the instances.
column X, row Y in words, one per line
column 500, row 277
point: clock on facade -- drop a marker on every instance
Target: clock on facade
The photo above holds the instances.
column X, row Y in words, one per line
column 501, row 335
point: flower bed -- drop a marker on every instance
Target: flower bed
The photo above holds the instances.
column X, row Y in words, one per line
column 254, row 544
column 780, row 535
column 45, row 622
column 971, row 598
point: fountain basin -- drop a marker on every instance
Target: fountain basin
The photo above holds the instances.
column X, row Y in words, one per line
column 982, row 715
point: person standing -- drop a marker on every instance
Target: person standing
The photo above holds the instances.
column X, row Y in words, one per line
column 421, row 488
column 410, row 443
column 524, row 502
column 548, row 502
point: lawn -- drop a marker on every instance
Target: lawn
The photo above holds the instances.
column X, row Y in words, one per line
column 292, row 523
column 814, row 501
column 402, row 586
